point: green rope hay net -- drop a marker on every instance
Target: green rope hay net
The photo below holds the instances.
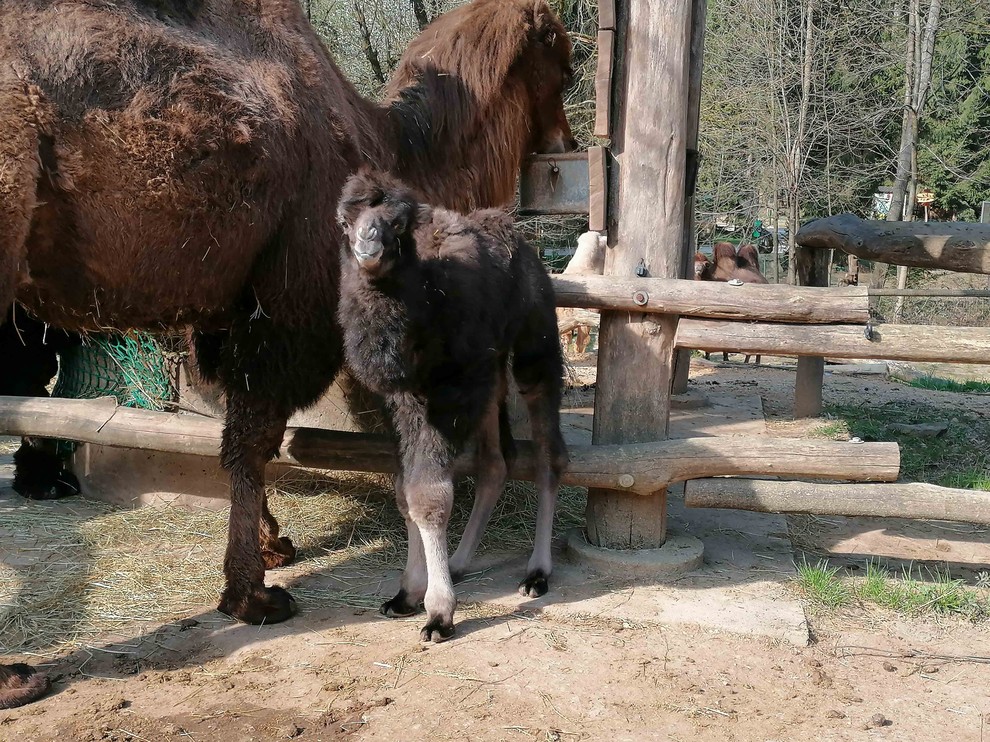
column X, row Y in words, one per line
column 133, row 368
column 138, row 370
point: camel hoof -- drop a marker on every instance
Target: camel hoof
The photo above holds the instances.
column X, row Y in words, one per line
column 262, row 605
column 20, row 684
column 399, row 606
column 41, row 475
column 278, row 553
column 437, row 629
column 535, row 584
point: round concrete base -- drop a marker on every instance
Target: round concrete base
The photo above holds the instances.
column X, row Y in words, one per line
column 678, row 556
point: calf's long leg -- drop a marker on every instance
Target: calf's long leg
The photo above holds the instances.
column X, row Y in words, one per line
column 412, row 588
column 429, row 491
column 490, row 471
column 538, row 370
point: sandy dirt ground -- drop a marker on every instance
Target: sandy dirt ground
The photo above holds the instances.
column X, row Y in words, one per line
column 519, row 669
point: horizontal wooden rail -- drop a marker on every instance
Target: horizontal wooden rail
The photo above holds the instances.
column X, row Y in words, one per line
column 769, row 303
column 897, row 500
column 955, row 246
column 642, row 468
column 886, row 342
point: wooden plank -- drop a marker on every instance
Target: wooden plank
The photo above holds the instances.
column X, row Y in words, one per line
column 606, row 13
column 714, row 299
column 597, row 189
column 636, row 468
column 888, row 343
column 554, row 184
column 646, row 203
column 603, row 83
column 956, row 246
column 899, row 500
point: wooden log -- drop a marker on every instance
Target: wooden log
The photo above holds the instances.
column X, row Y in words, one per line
column 955, row 246
column 635, row 468
column 811, row 269
column 750, row 301
column 648, row 127
column 699, row 18
column 577, row 318
column 897, row 500
column 888, row 343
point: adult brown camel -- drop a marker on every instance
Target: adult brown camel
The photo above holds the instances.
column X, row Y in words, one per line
column 729, row 265
column 166, row 163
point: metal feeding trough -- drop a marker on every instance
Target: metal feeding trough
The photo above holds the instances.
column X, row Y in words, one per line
column 554, row 184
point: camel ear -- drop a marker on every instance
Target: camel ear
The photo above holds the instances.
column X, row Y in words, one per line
column 543, row 25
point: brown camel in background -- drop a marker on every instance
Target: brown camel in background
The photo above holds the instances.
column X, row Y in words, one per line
column 729, row 265
column 177, row 162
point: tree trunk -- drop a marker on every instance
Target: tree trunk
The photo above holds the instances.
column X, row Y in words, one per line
column 917, row 78
column 419, row 10
column 369, row 50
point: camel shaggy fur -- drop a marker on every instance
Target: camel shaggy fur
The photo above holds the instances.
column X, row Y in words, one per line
column 433, row 303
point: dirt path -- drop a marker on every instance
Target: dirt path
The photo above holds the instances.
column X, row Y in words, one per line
column 526, row 670
column 342, row 673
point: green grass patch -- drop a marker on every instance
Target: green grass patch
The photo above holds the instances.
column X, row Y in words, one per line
column 837, row 430
column 959, row 458
column 910, row 593
column 971, row 479
column 822, row 584
column 937, row 384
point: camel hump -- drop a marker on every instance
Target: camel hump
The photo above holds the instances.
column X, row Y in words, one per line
column 161, row 84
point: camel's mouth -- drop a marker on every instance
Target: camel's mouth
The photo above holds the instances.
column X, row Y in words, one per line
column 368, row 254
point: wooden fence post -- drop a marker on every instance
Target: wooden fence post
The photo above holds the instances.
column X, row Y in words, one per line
column 699, row 15
column 646, row 215
column 811, row 269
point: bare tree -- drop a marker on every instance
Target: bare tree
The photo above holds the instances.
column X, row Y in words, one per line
column 370, row 53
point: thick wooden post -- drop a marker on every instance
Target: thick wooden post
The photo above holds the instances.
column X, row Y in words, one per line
column 646, row 231
column 811, row 268
column 699, row 15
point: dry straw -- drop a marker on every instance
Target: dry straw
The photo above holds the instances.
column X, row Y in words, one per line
column 77, row 570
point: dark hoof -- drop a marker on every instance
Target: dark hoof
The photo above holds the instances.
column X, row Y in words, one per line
column 436, row 630
column 399, row 606
column 534, row 585
column 278, row 553
column 41, row 475
column 260, row 606
column 20, row 684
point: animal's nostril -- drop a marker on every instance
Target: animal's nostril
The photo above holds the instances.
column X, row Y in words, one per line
column 572, row 144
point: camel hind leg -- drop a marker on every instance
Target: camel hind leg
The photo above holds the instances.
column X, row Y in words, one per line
column 538, row 370
column 493, row 442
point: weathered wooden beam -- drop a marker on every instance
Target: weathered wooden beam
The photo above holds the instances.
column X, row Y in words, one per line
column 887, row 343
column 648, row 129
column 956, row 246
column 603, row 83
column 811, row 269
column 896, row 500
column 636, row 468
column 750, row 301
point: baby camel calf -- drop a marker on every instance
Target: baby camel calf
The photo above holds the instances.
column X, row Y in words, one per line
column 432, row 304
